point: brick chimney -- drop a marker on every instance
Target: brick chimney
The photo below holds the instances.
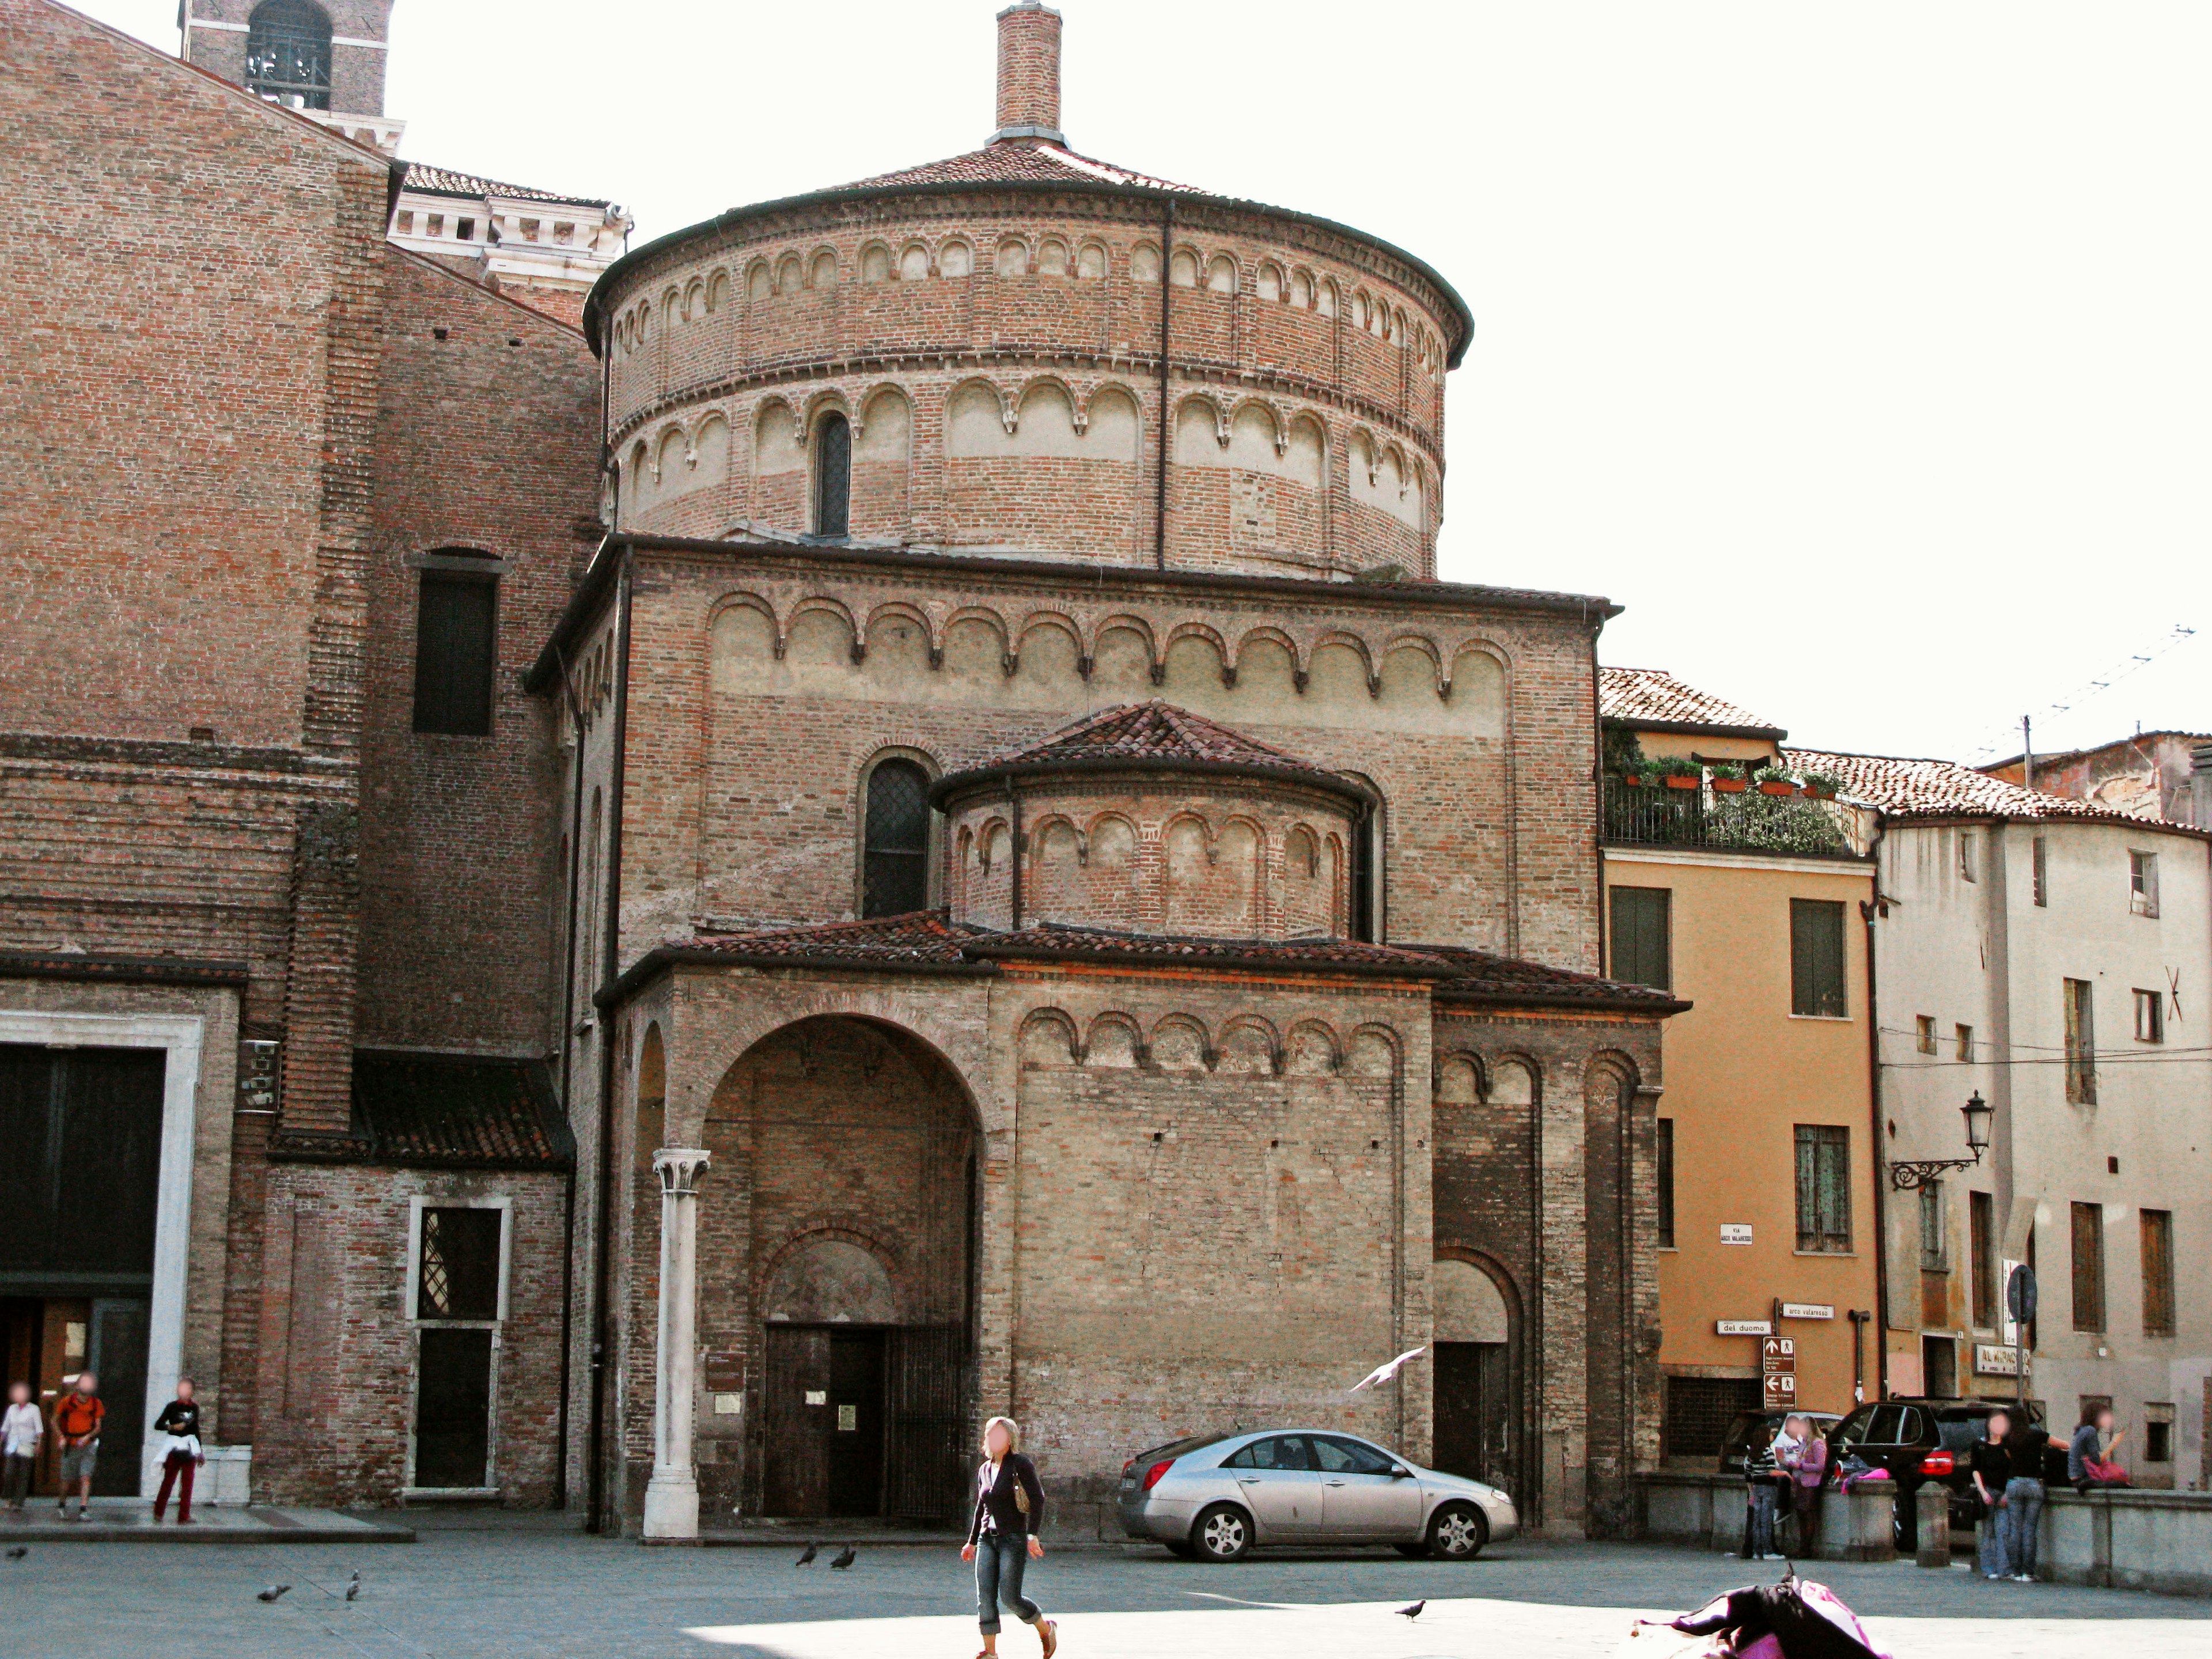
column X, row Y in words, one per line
column 1029, row 73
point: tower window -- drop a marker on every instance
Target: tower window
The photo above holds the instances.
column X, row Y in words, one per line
column 287, row 54
column 832, row 475
column 454, row 652
column 895, row 852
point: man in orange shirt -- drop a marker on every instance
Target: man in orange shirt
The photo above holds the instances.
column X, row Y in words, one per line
column 77, row 1416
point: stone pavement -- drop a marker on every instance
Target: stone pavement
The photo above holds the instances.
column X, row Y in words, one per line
column 505, row 1586
column 116, row 1520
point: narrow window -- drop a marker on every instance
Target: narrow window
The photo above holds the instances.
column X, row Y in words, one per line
column 2042, row 889
column 832, row 475
column 2089, row 1266
column 1964, row 1035
column 2157, row 1272
column 457, row 1306
column 2158, row 1432
column 1982, row 1223
column 894, row 858
column 1816, row 957
column 1665, row 1161
column 1824, row 1187
column 2081, row 1044
column 454, row 643
column 1926, row 1024
column 406, row 224
column 1642, row 941
column 2150, row 1016
column 2142, row 884
column 1933, row 1257
column 1965, row 855
column 287, row 54
column 466, row 229
column 434, row 225
column 460, row 1274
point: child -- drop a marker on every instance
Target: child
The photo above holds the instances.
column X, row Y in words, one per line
column 77, row 1416
column 20, row 1430
column 180, row 1421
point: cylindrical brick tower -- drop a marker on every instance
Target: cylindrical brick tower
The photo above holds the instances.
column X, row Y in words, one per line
column 1028, row 352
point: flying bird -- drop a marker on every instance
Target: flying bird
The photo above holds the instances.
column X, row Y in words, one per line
column 807, row 1557
column 844, row 1558
column 18, row 1552
column 1384, row 1373
column 1410, row 1614
column 272, row 1593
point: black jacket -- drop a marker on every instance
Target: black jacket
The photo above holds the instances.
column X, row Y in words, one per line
column 1006, row 1516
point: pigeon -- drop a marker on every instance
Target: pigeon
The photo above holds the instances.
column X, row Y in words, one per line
column 807, row 1557
column 1413, row 1613
column 844, row 1558
column 18, row 1552
column 353, row 1587
column 1384, row 1373
column 272, row 1593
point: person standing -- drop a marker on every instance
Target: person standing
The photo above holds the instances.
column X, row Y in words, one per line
column 1805, row 1468
column 77, row 1416
column 180, row 1421
column 20, row 1430
column 1990, row 1465
column 1762, row 1490
column 1002, row 1537
column 2023, row 1494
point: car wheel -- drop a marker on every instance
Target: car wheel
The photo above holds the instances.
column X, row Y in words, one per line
column 1222, row 1533
column 1458, row 1532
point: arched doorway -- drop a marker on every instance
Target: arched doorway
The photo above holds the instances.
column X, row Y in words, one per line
column 1477, row 1400
column 836, row 1256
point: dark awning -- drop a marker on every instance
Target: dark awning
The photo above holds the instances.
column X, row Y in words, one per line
column 458, row 1111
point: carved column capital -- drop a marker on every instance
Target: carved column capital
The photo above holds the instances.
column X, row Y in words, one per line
column 679, row 1168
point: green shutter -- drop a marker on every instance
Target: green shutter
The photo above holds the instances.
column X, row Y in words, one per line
column 1816, row 958
column 1641, row 937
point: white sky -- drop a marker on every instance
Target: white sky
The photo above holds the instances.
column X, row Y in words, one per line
column 1864, row 352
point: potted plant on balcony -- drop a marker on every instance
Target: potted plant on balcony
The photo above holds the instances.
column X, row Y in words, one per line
column 1774, row 781
column 1820, row 787
column 1729, row 779
column 1677, row 773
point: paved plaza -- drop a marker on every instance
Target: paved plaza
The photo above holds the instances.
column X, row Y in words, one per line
column 510, row 1586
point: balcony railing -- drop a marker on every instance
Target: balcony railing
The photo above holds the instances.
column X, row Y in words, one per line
column 1749, row 822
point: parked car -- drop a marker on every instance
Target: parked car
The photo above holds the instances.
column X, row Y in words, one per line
column 1919, row 1440
column 1750, row 1438
column 1216, row 1496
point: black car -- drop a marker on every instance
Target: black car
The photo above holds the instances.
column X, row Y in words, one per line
column 1750, row 1438
column 1920, row 1440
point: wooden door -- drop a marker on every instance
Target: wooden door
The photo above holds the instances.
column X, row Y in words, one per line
column 452, row 1408
column 795, row 1418
column 1474, row 1411
column 856, row 1422
column 927, row 1461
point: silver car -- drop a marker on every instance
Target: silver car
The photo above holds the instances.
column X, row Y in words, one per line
column 1216, row 1496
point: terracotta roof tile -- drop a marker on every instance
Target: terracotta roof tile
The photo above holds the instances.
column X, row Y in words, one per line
column 1056, row 939
column 1485, row 977
column 920, row 936
column 1654, row 696
column 1147, row 734
column 444, row 181
column 1910, row 788
column 456, row 1111
column 1018, row 161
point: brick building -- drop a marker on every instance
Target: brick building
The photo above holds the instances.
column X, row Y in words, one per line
column 941, row 851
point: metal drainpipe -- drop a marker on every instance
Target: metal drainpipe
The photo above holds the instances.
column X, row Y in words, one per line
column 1160, row 485
column 1868, row 910
column 567, row 1097
column 610, row 953
column 1014, row 869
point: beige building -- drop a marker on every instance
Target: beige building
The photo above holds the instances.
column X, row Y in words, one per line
column 1747, row 904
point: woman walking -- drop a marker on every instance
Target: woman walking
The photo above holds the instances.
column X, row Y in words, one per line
column 1002, row 1537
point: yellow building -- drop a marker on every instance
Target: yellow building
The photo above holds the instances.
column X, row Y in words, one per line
column 1744, row 896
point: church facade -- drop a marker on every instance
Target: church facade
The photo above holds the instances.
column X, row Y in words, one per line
column 984, row 874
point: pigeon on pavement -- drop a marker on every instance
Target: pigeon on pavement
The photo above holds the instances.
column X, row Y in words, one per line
column 1413, row 1613
column 806, row 1556
column 272, row 1593
column 845, row 1558
column 18, row 1552
column 353, row 1586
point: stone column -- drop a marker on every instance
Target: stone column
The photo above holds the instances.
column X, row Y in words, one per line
column 671, row 1497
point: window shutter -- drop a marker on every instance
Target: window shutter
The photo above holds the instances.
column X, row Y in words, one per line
column 1816, row 958
column 1641, row 937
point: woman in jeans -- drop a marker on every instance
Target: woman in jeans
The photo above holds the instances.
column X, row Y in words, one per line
column 2023, row 1499
column 1990, row 1465
column 1002, row 1537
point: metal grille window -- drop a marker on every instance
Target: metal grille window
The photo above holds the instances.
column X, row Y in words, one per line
column 2157, row 1272
column 2081, row 1044
column 454, row 643
column 833, row 477
column 287, row 54
column 460, row 1265
column 2089, row 1266
column 1643, row 937
column 1665, row 1162
column 894, row 858
column 1816, row 958
column 1824, row 1188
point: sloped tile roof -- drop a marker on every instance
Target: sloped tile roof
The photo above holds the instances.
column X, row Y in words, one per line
column 1652, row 696
column 1057, row 941
column 444, row 181
column 1910, row 788
column 1147, row 734
column 456, row 1111
column 1019, row 162
column 918, row 936
column 1484, row 977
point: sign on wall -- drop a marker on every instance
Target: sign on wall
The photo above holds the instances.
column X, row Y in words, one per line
column 1993, row 1361
column 1743, row 1326
column 1736, row 1232
column 1777, row 1371
column 1807, row 1310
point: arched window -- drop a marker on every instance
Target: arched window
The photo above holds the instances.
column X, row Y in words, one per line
column 895, row 852
column 287, row 53
column 832, row 475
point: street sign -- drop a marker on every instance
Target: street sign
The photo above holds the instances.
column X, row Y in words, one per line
column 1736, row 1232
column 1807, row 1310
column 1779, row 1353
column 1744, row 1327
column 1781, row 1391
column 2020, row 1295
column 1990, row 1360
column 1777, row 1367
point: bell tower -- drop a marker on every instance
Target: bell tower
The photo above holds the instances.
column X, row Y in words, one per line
column 322, row 57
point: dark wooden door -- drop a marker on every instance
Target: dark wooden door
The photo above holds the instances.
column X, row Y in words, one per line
column 856, row 1422
column 452, row 1408
column 1474, row 1411
column 795, row 1418
column 926, row 1446
column 118, row 1357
